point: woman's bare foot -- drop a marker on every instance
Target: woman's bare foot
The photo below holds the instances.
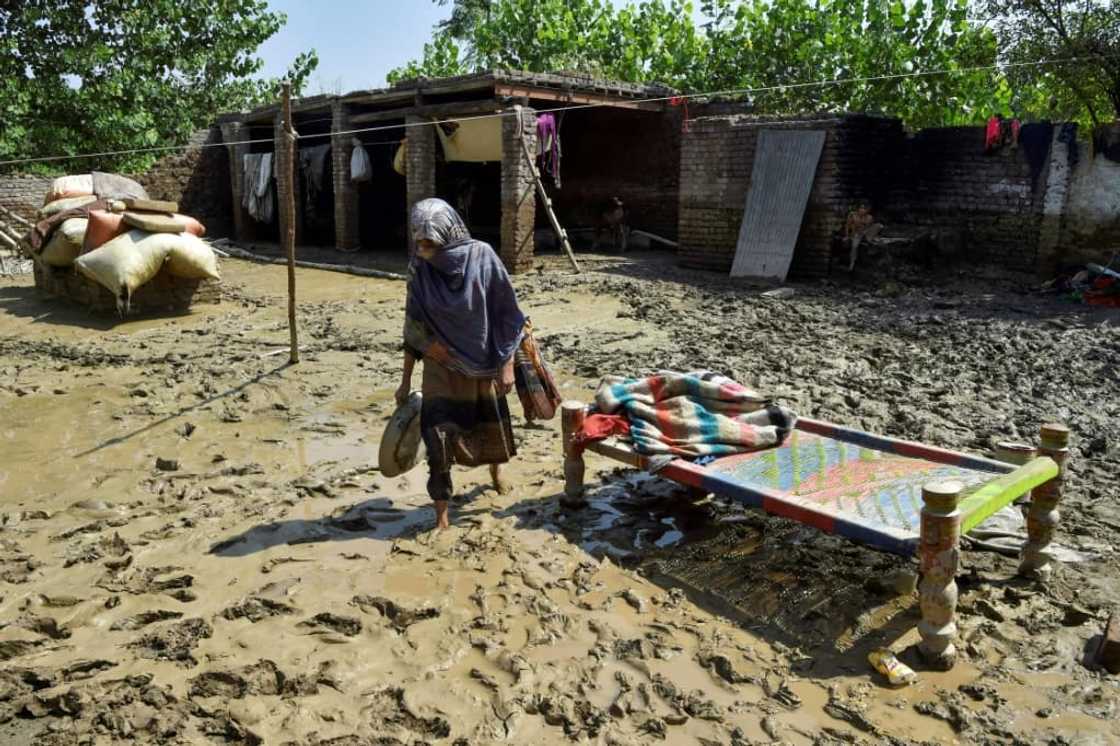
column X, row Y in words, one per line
column 442, row 520
column 500, row 485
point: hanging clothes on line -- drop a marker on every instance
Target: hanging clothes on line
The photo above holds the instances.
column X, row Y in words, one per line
column 313, row 165
column 400, row 160
column 361, row 169
column 1000, row 133
column 477, row 140
column 256, row 187
column 1036, row 138
column 548, row 146
column 683, row 102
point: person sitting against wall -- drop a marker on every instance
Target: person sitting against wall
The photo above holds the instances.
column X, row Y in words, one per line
column 860, row 227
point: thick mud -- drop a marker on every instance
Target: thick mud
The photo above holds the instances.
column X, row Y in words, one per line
column 196, row 546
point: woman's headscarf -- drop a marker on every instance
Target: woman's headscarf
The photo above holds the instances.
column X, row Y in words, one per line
column 436, row 221
column 462, row 311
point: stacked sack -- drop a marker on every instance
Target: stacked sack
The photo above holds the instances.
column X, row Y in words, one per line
column 107, row 228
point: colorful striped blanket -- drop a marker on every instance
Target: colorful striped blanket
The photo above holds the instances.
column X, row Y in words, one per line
column 690, row 415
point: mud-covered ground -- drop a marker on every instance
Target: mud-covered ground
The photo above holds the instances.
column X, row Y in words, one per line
column 196, row 547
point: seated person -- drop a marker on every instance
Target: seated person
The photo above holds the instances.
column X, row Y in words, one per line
column 860, row 226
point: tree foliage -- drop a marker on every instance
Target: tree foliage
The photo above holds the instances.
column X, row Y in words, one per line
column 79, row 77
column 770, row 48
column 1086, row 31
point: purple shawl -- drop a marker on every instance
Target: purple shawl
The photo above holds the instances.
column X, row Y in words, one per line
column 461, row 300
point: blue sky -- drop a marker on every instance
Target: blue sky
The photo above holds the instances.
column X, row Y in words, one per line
column 358, row 41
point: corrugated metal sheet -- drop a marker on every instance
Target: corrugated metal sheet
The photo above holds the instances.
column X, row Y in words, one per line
column 785, row 164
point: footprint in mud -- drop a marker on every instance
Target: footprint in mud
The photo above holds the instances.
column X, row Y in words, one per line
column 151, row 580
column 326, row 622
column 143, row 619
column 398, row 616
column 43, row 625
column 17, row 568
column 262, row 678
column 255, row 609
column 174, row 642
column 123, row 710
column 15, row 648
column 388, row 710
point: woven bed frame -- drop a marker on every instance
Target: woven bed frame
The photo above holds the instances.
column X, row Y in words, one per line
column 894, row 495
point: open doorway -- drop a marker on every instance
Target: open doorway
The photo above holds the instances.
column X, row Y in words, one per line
column 611, row 157
column 382, row 200
column 256, row 229
column 315, row 197
column 475, row 191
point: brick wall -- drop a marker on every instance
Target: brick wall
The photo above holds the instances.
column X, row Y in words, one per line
column 948, row 182
column 345, row 193
column 199, row 180
column 519, row 201
column 22, row 194
column 420, row 161
column 717, row 156
column 940, row 179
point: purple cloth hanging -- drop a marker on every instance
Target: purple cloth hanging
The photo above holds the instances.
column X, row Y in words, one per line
column 548, row 146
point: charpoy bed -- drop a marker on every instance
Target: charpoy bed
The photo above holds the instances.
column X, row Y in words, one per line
column 894, row 495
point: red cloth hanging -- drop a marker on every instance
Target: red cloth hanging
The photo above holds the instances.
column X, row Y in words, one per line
column 681, row 101
column 992, row 135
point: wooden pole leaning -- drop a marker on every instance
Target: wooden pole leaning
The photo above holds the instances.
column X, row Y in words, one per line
column 940, row 558
column 572, row 415
column 288, row 201
column 561, row 234
column 1042, row 515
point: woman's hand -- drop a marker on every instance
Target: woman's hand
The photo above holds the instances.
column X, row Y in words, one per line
column 507, row 380
column 406, row 379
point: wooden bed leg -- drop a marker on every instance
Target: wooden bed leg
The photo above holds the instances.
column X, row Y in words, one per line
column 1042, row 516
column 572, row 414
column 1017, row 454
column 940, row 556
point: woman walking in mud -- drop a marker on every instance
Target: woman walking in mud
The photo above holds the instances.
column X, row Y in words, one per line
column 463, row 321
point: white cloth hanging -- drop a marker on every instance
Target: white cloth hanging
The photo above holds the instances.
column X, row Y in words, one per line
column 360, row 167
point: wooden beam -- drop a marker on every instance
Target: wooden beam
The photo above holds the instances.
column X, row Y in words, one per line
column 573, row 97
column 464, row 108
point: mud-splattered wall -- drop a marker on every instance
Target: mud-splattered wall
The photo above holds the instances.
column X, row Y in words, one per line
column 1090, row 229
column 991, row 202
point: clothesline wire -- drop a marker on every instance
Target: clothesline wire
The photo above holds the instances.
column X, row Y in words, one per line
column 999, row 66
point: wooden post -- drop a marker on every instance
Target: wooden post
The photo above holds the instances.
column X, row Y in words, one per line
column 288, row 201
column 940, row 556
column 1042, row 516
column 572, row 414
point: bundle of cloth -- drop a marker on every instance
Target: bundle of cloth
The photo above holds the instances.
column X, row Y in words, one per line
column 685, row 415
column 106, row 227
